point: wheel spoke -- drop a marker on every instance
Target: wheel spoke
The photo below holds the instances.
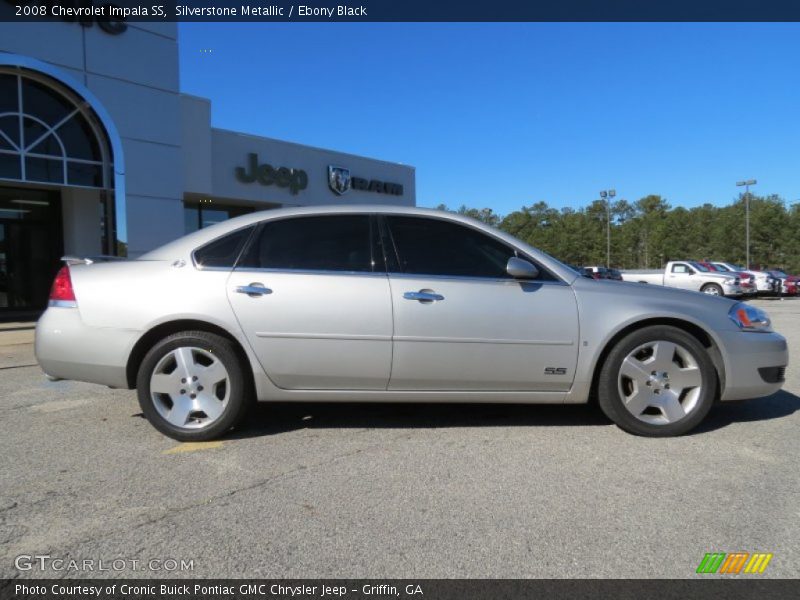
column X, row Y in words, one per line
column 690, row 377
column 663, row 355
column 671, row 407
column 213, row 373
column 185, row 360
column 635, row 370
column 637, row 402
column 210, row 405
column 179, row 413
column 161, row 383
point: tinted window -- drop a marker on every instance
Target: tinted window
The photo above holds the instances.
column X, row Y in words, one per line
column 435, row 247
column 223, row 251
column 326, row 243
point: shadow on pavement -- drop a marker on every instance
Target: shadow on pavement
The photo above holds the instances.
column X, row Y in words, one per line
column 776, row 406
column 271, row 419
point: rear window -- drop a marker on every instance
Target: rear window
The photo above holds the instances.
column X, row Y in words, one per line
column 223, row 252
column 319, row 243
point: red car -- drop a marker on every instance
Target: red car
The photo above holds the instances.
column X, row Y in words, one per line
column 747, row 281
column 790, row 284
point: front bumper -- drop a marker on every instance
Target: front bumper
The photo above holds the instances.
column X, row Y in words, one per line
column 66, row 348
column 732, row 289
column 744, row 354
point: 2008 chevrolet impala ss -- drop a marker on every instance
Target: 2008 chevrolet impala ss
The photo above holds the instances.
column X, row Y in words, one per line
column 386, row 304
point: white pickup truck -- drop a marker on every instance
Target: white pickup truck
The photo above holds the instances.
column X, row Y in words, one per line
column 688, row 275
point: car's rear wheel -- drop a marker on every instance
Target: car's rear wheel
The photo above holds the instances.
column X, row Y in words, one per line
column 657, row 381
column 712, row 289
column 192, row 386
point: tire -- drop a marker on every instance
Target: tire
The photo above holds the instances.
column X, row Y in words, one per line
column 712, row 289
column 634, row 393
column 202, row 388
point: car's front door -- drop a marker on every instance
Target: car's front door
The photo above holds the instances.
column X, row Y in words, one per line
column 462, row 323
column 682, row 276
column 312, row 296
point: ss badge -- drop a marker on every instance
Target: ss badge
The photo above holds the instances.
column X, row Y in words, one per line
column 555, row 371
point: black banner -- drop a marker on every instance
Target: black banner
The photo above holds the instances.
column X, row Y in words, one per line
column 406, row 589
column 88, row 11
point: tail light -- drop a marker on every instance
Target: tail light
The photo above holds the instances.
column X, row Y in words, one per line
column 62, row 293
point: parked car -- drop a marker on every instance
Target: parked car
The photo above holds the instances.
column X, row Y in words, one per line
column 597, row 272
column 615, row 274
column 580, row 270
column 688, row 275
column 788, row 283
column 764, row 282
column 746, row 280
column 392, row 304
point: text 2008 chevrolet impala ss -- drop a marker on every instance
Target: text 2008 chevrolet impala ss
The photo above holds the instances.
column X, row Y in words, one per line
column 386, row 304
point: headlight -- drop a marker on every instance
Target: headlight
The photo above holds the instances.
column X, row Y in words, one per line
column 749, row 318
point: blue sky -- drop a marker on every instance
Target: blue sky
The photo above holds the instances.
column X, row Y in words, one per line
column 505, row 115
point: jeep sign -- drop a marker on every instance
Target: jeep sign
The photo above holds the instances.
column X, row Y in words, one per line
column 266, row 174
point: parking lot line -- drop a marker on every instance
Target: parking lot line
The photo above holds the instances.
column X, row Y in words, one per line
column 193, row 447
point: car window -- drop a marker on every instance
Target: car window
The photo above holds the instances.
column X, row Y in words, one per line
column 436, row 247
column 223, row 251
column 681, row 269
column 318, row 243
column 721, row 267
column 702, row 268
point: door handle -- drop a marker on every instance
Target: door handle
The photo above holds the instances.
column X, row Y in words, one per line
column 253, row 290
column 424, row 296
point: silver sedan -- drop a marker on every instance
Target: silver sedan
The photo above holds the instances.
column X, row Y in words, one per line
column 386, row 304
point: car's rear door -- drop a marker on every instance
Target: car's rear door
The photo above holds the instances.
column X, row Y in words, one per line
column 462, row 323
column 312, row 296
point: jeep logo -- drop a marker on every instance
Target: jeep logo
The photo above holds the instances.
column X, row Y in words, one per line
column 294, row 179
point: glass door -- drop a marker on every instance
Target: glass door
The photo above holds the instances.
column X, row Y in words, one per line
column 31, row 245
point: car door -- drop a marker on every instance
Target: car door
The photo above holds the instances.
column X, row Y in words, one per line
column 682, row 276
column 462, row 323
column 312, row 296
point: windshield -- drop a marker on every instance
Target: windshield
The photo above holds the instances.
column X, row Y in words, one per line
column 721, row 267
column 700, row 267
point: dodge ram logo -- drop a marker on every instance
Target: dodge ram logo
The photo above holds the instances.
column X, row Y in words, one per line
column 338, row 179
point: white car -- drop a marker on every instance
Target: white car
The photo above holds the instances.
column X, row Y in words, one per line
column 688, row 275
column 765, row 282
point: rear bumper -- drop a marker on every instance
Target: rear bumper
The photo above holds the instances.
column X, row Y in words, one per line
column 748, row 356
column 68, row 349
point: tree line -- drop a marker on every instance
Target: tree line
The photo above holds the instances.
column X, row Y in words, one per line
column 649, row 232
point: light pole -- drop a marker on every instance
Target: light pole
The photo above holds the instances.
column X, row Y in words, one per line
column 607, row 195
column 747, row 183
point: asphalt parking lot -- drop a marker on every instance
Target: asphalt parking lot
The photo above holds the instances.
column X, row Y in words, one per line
column 394, row 490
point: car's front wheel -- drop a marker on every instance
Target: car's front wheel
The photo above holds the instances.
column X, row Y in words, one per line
column 657, row 381
column 712, row 289
column 192, row 386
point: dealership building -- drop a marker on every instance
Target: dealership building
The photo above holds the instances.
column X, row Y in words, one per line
column 100, row 153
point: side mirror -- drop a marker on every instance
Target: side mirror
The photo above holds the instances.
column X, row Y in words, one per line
column 520, row 268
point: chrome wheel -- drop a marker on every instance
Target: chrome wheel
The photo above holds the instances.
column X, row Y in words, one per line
column 711, row 290
column 190, row 387
column 660, row 382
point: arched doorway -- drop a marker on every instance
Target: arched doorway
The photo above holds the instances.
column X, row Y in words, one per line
column 56, row 185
